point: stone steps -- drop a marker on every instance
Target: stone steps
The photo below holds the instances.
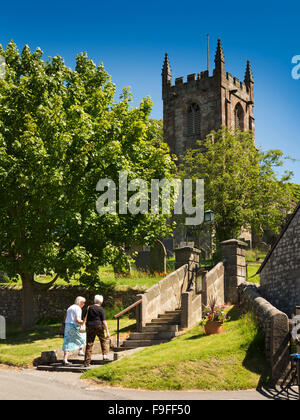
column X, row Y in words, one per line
column 176, row 312
column 77, row 366
column 155, row 335
column 142, row 343
column 161, row 327
column 160, row 330
column 167, row 321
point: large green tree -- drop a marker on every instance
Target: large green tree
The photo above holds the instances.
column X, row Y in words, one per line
column 61, row 131
column 241, row 182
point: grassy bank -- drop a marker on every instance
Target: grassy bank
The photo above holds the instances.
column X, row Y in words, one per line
column 136, row 279
column 252, row 277
column 229, row 361
column 21, row 347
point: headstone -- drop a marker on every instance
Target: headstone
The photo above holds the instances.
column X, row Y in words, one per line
column 186, row 255
column 2, row 328
column 187, row 244
column 142, row 261
column 158, row 258
column 169, row 244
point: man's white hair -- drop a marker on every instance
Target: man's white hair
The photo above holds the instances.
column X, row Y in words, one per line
column 79, row 299
column 98, row 299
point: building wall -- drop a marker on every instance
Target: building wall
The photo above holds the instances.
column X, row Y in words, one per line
column 217, row 97
column 280, row 276
column 202, row 91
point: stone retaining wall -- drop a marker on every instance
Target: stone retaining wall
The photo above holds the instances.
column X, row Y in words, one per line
column 191, row 309
column 213, row 284
column 275, row 325
column 52, row 303
column 163, row 296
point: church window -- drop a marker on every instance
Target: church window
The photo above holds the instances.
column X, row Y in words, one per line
column 239, row 117
column 193, row 120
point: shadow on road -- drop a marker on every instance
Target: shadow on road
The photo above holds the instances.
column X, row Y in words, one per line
column 279, row 392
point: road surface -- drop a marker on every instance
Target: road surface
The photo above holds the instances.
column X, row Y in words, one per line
column 30, row 384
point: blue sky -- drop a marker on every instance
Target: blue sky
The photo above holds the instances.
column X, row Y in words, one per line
column 131, row 39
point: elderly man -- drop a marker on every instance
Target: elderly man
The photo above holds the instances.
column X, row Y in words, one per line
column 95, row 326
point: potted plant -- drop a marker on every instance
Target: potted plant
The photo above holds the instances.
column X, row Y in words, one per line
column 214, row 316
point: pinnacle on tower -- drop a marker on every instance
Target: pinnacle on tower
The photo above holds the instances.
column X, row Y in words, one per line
column 219, row 57
column 248, row 75
column 166, row 70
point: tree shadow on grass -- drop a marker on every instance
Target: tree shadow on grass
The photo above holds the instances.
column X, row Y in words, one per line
column 129, row 328
column 15, row 335
column 197, row 336
column 255, row 360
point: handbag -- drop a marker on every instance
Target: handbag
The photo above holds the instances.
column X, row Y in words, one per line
column 82, row 328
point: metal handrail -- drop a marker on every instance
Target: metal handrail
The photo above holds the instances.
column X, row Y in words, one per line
column 127, row 309
column 117, row 317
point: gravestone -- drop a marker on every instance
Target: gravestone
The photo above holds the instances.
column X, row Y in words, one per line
column 142, row 260
column 2, row 328
column 158, row 258
column 169, row 244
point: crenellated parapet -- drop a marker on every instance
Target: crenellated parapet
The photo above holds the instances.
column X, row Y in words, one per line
column 199, row 103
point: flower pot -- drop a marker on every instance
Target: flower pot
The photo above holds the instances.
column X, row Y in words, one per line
column 213, row 327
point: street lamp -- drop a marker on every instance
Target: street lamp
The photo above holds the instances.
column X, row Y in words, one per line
column 209, row 216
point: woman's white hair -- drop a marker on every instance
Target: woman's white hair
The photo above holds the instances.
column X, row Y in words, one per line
column 79, row 299
column 98, row 299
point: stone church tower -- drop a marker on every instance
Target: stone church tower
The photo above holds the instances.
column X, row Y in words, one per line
column 192, row 109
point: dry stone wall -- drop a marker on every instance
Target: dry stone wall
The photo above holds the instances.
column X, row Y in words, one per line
column 275, row 326
column 52, row 304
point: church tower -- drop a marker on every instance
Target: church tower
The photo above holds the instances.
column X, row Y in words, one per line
column 202, row 103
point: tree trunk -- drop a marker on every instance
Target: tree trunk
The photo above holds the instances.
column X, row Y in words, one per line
column 27, row 304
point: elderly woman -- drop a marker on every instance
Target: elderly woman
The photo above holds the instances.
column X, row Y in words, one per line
column 95, row 326
column 73, row 339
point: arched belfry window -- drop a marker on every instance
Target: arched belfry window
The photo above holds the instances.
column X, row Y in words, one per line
column 193, row 119
column 239, row 117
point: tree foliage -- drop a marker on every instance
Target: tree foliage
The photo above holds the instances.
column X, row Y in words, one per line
column 241, row 184
column 61, row 131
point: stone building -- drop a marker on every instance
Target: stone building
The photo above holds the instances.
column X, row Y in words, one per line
column 192, row 109
column 280, row 271
column 195, row 107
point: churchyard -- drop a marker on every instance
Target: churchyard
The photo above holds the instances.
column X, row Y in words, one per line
column 236, row 356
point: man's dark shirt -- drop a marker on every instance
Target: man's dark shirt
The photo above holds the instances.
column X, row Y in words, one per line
column 96, row 315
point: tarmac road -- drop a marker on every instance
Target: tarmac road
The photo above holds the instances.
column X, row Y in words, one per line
column 31, row 384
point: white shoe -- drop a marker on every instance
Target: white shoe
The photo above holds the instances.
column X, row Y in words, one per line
column 105, row 357
column 81, row 353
